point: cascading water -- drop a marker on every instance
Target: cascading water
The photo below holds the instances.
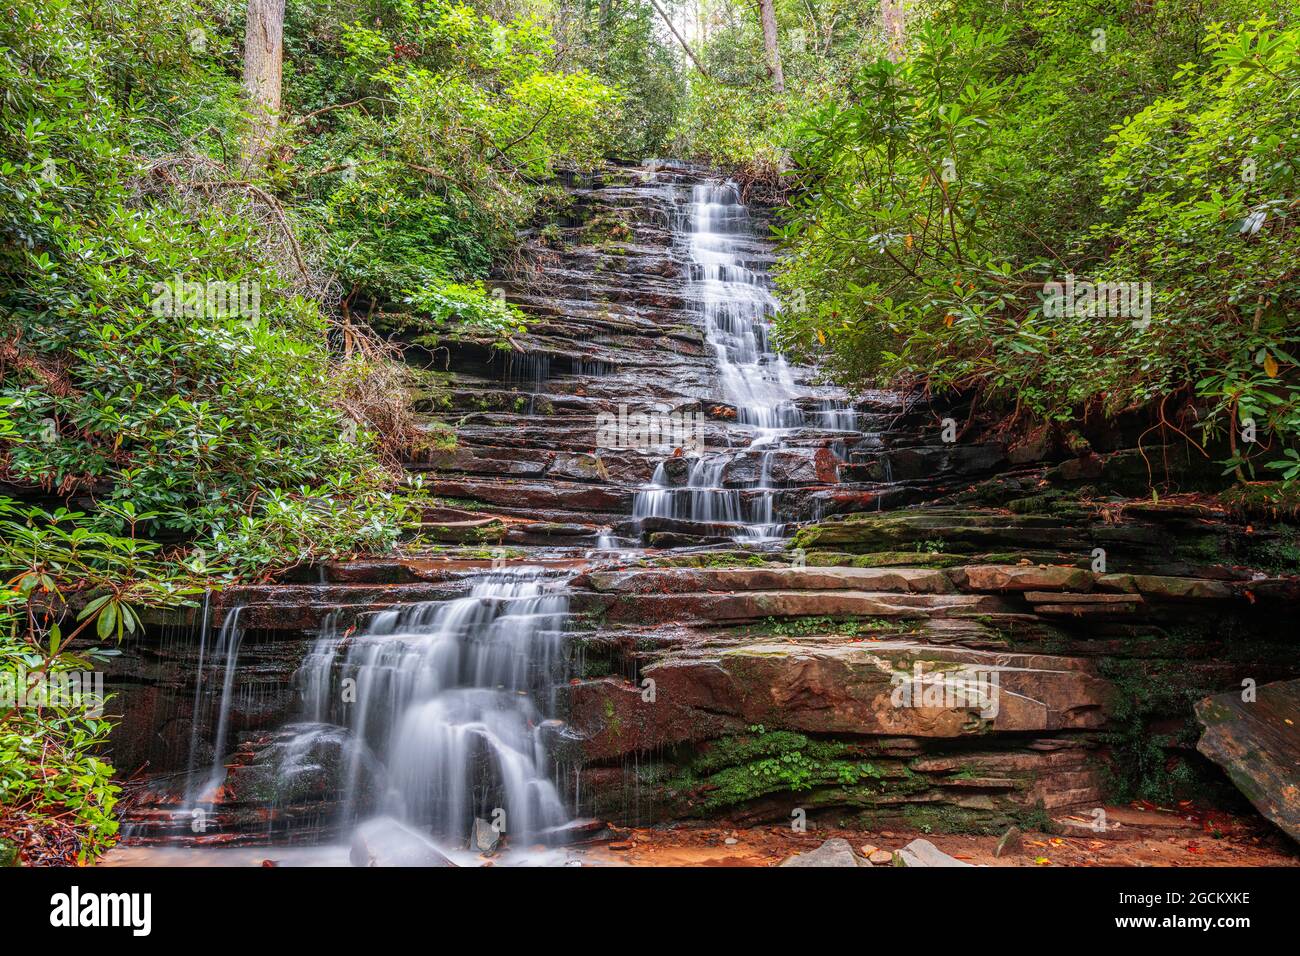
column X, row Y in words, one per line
column 442, row 714
column 221, row 659
column 736, row 308
column 445, row 708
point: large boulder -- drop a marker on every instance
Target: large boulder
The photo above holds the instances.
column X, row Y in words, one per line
column 1258, row 743
column 924, row 853
column 775, row 578
column 892, row 687
column 1027, row 577
column 739, row 606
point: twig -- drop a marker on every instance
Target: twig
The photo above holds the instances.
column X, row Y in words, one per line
column 274, row 203
column 299, row 120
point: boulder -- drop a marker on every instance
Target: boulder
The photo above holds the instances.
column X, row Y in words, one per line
column 1028, row 577
column 829, row 687
column 1166, row 587
column 834, row 852
column 742, row 606
column 1012, row 843
column 486, row 837
column 925, row 853
column 1258, row 743
column 681, row 580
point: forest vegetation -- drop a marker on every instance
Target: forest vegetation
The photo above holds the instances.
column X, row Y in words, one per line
column 208, row 247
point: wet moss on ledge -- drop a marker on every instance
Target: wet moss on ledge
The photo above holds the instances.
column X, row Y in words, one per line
column 1263, row 499
column 737, row 770
column 713, row 559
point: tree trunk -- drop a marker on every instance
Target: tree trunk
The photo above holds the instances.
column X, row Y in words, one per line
column 767, row 13
column 894, row 18
column 680, row 39
column 263, row 59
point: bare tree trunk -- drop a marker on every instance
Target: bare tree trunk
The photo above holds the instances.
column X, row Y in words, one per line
column 894, row 18
column 767, row 13
column 263, row 60
column 680, row 39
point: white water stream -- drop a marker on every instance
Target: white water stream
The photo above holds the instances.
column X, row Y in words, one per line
column 442, row 713
column 446, row 704
column 736, row 307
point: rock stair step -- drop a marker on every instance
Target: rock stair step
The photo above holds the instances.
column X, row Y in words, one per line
column 479, row 530
column 521, row 494
column 758, row 605
column 1082, row 610
column 686, row 580
column 1058, row 597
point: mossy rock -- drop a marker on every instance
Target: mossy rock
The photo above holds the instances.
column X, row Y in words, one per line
column 1057, row 501
column 946, row 531
column 1262, row 499
column 713, row 559
column 885, row 559
column 1275, row 550
column 734, row 771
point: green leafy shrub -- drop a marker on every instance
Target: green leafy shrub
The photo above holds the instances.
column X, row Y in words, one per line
column 456, row 119
column 470, row 307
column 70, row 593
column 947, row 192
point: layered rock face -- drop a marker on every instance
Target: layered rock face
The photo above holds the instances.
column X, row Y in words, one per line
column 957, row 695
column 950, row 634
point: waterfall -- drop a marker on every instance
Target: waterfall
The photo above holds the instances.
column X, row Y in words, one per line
column 735, row 306
column 446, row 705
column 223, row 659
column 444, row 714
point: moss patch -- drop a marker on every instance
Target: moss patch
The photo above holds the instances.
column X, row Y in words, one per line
column 736, row 770
column 1262, row 499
